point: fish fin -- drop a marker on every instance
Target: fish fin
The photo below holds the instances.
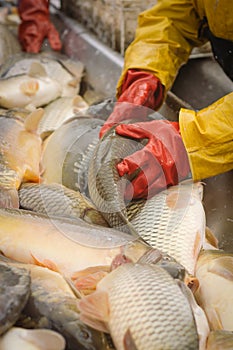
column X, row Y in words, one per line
column 79, row 103
column 210, row 238
column 94, row 310
column 219, row 340
column 214, row 318
column 29, row 87
column 89, row 270
column 32, row 120
column 87, row 284
column 76, row 292
column 128, row 341
column 76, row 69
column 152, row 256
column 197, row 245
column 45, row 263
column 96, row 324
column 37, row 70
column 223, row 267
column 119, row 260
column 74, row 82
column 198, row 314
column 9, row 198
column 77, row 100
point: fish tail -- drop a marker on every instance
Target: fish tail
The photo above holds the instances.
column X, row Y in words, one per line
column 9, row 198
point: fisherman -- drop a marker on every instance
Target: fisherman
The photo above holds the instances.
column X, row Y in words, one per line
column 202, row 141
column 35, row 26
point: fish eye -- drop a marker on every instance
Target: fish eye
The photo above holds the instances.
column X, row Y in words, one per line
column 85, row 334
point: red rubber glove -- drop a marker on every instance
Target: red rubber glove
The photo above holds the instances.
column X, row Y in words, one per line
column 140, row 89
column 163, row 161
column 35, row 26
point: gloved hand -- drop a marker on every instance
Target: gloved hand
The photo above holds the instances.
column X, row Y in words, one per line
column 139, row 89
column 35, row 26
column 163, row 161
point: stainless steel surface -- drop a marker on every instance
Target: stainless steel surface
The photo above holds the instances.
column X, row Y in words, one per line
column 198, row 83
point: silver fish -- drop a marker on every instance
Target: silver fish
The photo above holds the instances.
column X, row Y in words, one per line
column 53, row 305
column 66, row 153
column 106, row 187
column 172, row 221
column 56, row 67
column 9, row 45
column 14, row 293
column 56, row 199
column 143, row 303
column 30, row 90
column 58, row 112
column 31, row 339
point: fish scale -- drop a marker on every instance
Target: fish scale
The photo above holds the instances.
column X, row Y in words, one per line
column 146, row 301
column 175, row 231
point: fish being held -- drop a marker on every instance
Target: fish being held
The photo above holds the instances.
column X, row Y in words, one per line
column 67, row 151
column 142, row 307
column 20, row 155
column 56, row 199
column 214, row 272
column 172, row 221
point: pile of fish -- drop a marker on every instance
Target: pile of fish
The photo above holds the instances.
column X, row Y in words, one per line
column 81, row 268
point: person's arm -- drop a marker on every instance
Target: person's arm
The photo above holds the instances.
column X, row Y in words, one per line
column 208, row 138
column 202, row 142
column 164, row 38
column 35, row 26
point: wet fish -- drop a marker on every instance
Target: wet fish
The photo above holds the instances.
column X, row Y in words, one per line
column 20, row 155
column 66, row 153
column 62, row 244
column 214, row 271
column 106, row 187
column 31, row 90
column 220, row 340
column 141, row 305
column 55, row 67
column 167, row 262
column 9, row 45
column 53, row 305
column 14, row 293
column 56, row 199
column 172, row 221
column 58, row 112
column 31, row 339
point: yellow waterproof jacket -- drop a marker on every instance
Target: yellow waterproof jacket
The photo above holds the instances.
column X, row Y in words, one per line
column 165, row 36
column 167, row 33
column 208, row 138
